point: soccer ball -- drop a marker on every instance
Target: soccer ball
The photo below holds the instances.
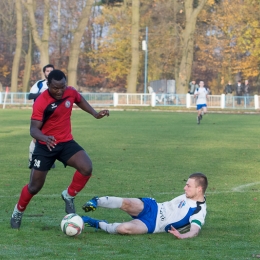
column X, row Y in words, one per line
column 72, row 225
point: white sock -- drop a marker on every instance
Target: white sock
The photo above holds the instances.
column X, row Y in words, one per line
column 66, row 194
column 110, row 202
column 31, row 149
column 16, row 209
column 109, row 228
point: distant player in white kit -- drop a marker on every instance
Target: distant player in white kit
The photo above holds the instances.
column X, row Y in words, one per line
column 201, row 94
column 182, row 216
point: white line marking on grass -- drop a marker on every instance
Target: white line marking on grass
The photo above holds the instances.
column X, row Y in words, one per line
column 242, row 187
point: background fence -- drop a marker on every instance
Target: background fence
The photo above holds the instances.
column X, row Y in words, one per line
column 140, row 99
column 163, row 86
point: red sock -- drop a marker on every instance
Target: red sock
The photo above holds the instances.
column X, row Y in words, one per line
column 78, row 183
column 25, row 198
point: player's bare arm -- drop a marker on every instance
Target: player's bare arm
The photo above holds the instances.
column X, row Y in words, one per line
column 194, row 231
column 38, row 135
column 84, row 105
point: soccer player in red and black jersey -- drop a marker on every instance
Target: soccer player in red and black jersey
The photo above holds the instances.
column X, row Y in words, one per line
column 51, row 127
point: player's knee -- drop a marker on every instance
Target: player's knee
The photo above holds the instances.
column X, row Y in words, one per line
column 126, row 204
column 86, row 170
column 123, row 229
column 34, row 188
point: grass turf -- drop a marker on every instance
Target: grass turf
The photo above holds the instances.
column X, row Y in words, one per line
column 138, row 154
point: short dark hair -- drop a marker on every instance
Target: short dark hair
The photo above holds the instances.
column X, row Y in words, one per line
column 56, row 75
column 200, row 179
column 47, row 66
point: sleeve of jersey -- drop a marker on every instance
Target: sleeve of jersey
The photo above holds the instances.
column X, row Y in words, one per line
column 37, row 113
column 77, row 96
column 198, row 219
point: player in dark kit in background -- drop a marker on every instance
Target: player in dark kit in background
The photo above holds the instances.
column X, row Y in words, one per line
column 51, row 127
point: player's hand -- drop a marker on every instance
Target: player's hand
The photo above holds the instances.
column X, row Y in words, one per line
column 175, row 232
column 50, row 142
column 102, row 113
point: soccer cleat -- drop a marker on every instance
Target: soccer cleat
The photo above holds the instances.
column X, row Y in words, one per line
column 92, row 222
column 90, row 205
column 198, row 120
column 69, row 202
column 16, row 219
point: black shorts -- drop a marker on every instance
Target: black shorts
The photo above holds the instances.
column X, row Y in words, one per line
column 43, row 158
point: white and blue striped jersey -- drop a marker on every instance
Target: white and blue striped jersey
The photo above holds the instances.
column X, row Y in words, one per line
column 39, row 86
column 180, row 212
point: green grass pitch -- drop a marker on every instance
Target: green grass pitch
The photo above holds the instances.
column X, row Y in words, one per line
column 138, row 154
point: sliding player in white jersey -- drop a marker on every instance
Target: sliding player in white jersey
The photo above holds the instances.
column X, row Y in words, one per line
column 182, row 216
column 201, row 94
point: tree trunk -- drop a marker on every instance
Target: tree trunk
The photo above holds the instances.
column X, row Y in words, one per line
column 125, row 3
column 132, row 77
column 58, row 55
column 19, row 42
column 41, row 43
column 75, row 44
column 176, row 43
column 188, row 44
column 27, row 67
column 186, row 59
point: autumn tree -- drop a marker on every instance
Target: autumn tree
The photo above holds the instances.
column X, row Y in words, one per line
column 75, row 44
column 213, row 40
column 40, row 39
column 111, row 56
column 27, row 65
column 7, row 40
column 222, row 52
column 187, row 40
column 19, row 42
column 160, row 17
column 135, row 42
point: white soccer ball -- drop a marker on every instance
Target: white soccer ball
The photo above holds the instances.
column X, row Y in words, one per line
column 72, row 225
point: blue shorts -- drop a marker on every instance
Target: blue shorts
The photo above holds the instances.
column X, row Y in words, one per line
column 148, row 214
column 43, row 158
column 200, row 106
